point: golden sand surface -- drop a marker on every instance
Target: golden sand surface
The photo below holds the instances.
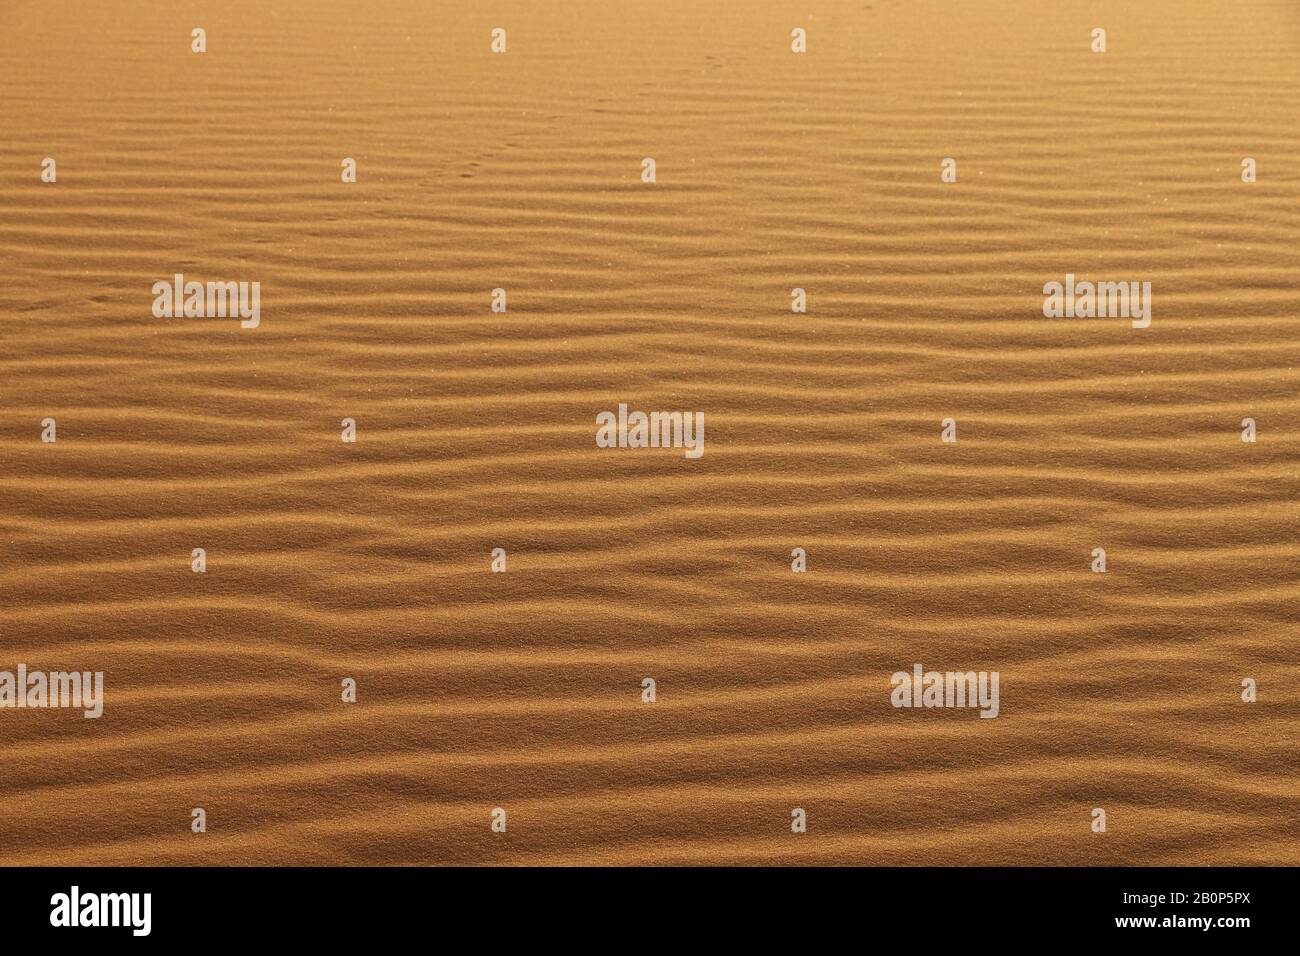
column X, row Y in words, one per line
column 774, row 170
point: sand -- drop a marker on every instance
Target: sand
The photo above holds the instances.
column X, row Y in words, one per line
column 371, row 560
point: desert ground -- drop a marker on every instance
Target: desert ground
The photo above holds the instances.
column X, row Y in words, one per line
column 370, row 561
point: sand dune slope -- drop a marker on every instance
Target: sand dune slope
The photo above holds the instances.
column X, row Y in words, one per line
column 475, row 430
